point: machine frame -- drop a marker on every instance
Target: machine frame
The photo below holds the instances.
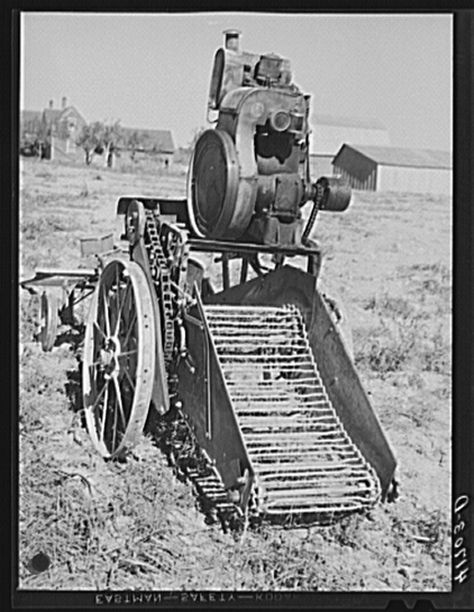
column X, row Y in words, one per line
column 187, row 382
column 160, row 334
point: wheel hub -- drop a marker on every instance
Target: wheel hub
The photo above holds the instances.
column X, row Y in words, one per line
column 108, row 356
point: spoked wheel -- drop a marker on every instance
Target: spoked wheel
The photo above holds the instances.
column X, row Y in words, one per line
column 119, row 358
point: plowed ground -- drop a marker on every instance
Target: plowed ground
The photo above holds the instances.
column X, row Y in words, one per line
column 134, row 525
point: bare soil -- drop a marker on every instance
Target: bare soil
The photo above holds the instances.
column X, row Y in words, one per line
column 134, row 525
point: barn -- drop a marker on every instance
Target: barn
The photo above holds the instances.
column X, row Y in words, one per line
column 148, row 142
column 395, row 169
column 330, row 132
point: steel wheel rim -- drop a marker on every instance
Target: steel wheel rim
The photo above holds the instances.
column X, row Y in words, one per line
column 119, row 358
column 49, row 321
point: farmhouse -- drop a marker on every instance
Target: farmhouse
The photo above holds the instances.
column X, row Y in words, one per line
column 329, row 133
column 158, row 143
column 63, row 123
column 395, row 169
column 56, row 128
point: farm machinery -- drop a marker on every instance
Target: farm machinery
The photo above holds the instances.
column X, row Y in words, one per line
column 249, row 368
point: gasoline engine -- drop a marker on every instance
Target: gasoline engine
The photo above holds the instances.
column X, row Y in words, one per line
column 250, row 176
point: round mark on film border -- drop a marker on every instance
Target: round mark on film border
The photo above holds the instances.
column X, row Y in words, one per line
column 39, row 563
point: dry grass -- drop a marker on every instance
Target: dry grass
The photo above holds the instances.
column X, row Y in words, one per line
column 408, row 335
column 133, row 525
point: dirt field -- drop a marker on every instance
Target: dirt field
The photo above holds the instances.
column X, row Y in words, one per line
column 133, row 525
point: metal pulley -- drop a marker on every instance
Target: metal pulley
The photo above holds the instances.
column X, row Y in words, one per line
column 213, row 187
column 336, row 194
column 330, row 193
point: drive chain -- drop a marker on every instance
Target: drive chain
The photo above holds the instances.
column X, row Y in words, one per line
column 189, row 460
column 161, row 276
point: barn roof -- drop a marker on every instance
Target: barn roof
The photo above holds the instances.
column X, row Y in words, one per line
column 396, row 156
column 333, row 120
column 158, row 140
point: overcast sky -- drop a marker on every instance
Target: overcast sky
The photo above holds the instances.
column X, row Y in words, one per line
column 152, row 70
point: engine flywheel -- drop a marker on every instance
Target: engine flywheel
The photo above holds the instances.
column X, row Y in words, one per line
column 213, row 186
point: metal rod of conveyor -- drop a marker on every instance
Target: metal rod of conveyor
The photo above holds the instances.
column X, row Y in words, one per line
column 303, row 459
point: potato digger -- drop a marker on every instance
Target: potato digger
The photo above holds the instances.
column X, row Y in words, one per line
column 249, row 368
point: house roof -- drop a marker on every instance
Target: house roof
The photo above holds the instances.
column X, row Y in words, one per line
column 367, row 123
column 29, row 115
column 396, row 156
column 52, row 114
column 158, row 140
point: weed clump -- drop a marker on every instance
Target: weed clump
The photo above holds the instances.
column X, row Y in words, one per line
column 404, row 337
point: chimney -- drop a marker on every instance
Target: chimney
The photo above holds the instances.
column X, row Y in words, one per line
column 50, row 104
column 63, row 102
column 231, row 40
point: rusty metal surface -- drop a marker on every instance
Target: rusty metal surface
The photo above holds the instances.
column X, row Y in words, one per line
column 303, row 458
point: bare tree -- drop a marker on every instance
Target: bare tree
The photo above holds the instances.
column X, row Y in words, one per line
column 100, row 138
column 90, row 139
column 111, row 134
column 132, row 143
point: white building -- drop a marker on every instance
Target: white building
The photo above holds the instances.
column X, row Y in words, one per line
column 329, row 133
column 395, row 169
